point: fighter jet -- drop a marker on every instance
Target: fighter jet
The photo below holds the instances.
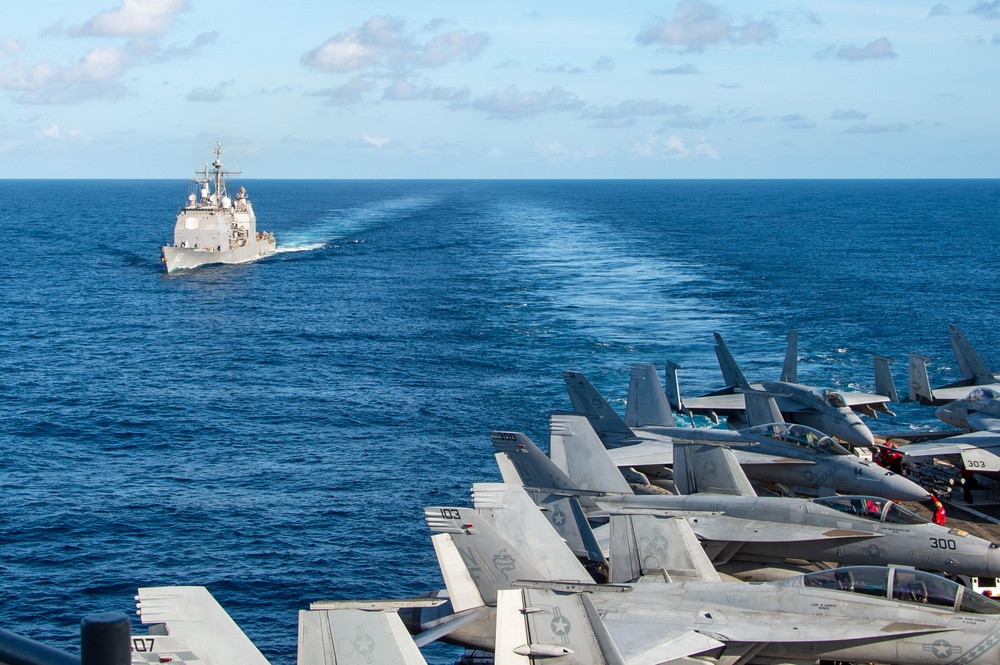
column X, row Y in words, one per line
column 974, row 373
column 860, row 614
column 824, row 409
column 977, row 450
column 794, row 456
column 722, row 508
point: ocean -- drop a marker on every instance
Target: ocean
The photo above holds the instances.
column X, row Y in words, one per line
column 273, row 430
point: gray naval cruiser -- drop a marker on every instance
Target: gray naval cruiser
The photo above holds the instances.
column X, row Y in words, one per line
column 213, row 228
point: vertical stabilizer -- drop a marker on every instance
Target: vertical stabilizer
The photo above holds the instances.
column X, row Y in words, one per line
column 790, row 369
column 539, row 626
column 761, row 409
column 731, row 372
column 646, row 404
column 570, row 522
column 708, row 469
column 348, row 636
column 520, row 522
column 920, row 385
column 573, row 440
column 490, row 559
column 884, row 385
column 462, row 589
column 972, row 365
column 533, row 467
column 645, row 545
column 587, row 401
column 673, row 387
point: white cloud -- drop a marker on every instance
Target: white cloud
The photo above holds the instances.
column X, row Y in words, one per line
column 383, row 43
column 876, row 50
column 10, row 46
column 865, row 128
column 673, row 147
column 512, row 103
column 797, row 121
column 402, row 90
column 555, row 151
column 215, row 94
column 351, row 92
column 132, row 19
column 454, row 45
column 623, row 115
column 987, row 10
column 697, row 24
column 96, row 75
column 685, row 69
column 848, row 114
column 50, row 132
column 376, row 141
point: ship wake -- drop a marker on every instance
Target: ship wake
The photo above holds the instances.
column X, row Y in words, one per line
column 344, row 226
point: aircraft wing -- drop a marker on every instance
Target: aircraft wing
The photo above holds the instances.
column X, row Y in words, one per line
column 644, row 638
column 984, row 422
column 855, row 399
column 980, row 451
column 729, row 403
column 733, row 529
column 647, row 453
column 196, row 626
column 826, row 629
column 659, row 453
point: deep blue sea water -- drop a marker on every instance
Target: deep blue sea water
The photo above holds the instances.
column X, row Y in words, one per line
column 273, row 430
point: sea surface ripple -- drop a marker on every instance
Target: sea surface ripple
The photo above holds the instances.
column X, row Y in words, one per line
column 273, row 430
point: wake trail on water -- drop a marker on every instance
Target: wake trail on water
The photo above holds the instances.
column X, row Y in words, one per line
column 340, row 225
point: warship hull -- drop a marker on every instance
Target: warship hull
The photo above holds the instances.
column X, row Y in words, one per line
column 185, row 258
column 214, row 228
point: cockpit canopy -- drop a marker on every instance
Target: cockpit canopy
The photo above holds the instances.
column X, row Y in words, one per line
column 903, row 584
column 831, row 397
column 982, row 394
column 799, row 435
column 871, row 507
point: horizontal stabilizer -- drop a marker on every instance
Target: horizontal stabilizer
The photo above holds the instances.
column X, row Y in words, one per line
column 539, row 626
column 193, row 618
column 346, row 637
column 463, row 591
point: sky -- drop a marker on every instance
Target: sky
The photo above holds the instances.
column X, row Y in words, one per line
column 448, row 89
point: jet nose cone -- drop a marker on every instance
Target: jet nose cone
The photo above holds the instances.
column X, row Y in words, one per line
column 948, row 415
column 858, row 434
column 993, row 560
column 898, row 488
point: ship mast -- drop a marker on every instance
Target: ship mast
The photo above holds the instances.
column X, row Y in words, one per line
column 220, row 175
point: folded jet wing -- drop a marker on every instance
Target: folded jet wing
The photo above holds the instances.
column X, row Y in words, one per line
column 979, row 451
column 188, row 624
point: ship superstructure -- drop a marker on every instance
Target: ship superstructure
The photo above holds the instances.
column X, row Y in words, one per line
column 214, row 228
